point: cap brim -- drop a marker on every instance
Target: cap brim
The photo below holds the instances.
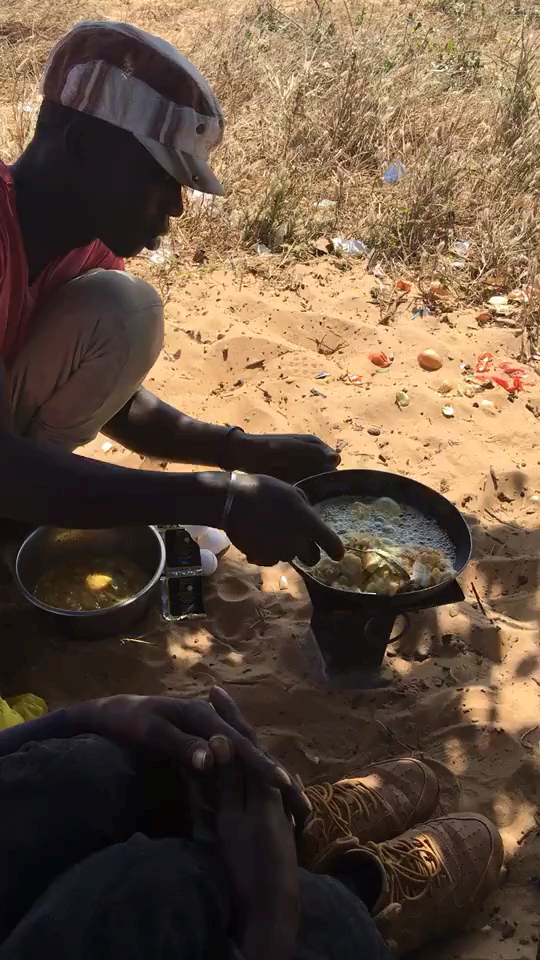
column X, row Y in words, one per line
column 188, row 170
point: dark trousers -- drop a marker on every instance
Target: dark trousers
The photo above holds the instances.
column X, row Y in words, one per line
column 92, row 867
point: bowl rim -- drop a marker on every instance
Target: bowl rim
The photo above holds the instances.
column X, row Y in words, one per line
column 90, row 614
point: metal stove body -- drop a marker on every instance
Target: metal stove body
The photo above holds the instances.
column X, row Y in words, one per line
column 351, row 633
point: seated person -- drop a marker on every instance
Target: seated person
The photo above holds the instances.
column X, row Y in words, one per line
column 156, row 828
column 126, row 123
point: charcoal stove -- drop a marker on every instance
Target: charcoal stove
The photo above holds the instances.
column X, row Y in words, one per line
column 349, row 632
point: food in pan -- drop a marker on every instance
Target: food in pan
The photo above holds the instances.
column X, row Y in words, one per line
column 90, row 584
column 389, row 548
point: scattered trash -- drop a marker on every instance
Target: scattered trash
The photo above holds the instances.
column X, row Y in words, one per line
column 380, row 359
column 429, row 360
column 438, row 291
column 323, row 245
column 209, row 562
column 458, row 264
column 461, row 247
column 396, row 171
column 513, row 386
column 518, row 296
column 321, row 376
column 207, row 203
column 470, row 392
column 378, row 272
column 403, row 285
column 106, row 446
column 483, row 362
column 164, row 253
column 448, row 412
column 260, row 249
column 283, row 583
column 317, row 393
column 487, row 406
column 422, row 312
column 280, row 235
column 354, row 378
column 500, row 306
column 351, row 248
column 402, row 399
column 325, row 204
column 483, row 317
column 445, row 387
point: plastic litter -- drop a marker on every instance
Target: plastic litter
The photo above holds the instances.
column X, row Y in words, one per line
column 396, row 171
column 378, row 272
column 354, row 378
column 322, row 375
column 422, row 312
column 106, row 446
column 403, row 285
column 488, row 407
column 438, row 291
column 483, row 362
column 350, row 248
column 323, row 245
column 164, row 253
column 380, row 359
column 518, row 296
column 448, row 412
column 402, row 399
column 207, row 202
column 461, row 247
column 483, row 317
column 325, row 204
column 260, row 249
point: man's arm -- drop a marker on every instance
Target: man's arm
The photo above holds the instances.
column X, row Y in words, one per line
column 42, row 485
column 150, row 427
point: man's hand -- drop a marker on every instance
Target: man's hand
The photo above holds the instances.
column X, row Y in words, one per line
column 256, row 843
column 194, row 733
column 289, row 457
column 271, row 521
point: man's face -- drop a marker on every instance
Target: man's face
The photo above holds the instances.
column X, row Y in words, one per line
column 130, row 198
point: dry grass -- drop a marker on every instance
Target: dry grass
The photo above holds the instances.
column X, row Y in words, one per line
column 321, row 98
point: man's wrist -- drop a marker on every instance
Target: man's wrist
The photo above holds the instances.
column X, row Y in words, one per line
column 234, row 448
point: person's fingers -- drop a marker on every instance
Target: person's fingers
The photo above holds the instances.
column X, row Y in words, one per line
column 202, row 720
column 308, row 553
column 230, row 712
column 188, row 749
column 222, row 750
column 324, row 536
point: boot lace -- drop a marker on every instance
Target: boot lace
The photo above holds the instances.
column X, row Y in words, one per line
column 412, row 866
column 336, row 805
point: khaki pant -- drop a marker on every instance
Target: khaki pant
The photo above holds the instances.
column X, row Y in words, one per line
column 88, row 350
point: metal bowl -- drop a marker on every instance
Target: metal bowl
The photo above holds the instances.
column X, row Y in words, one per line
column 48, row 546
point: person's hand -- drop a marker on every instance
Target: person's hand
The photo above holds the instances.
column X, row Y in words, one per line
column 271, row 521
column 289, row 457
column 192, row 732
column 188, row 731
column 256, row 843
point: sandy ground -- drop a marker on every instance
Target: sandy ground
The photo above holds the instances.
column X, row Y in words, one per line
column 466, row 686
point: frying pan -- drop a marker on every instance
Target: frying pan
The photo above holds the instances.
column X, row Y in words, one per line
column 377, row 483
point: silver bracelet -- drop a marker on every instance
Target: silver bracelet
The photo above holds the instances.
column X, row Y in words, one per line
column 229, row 501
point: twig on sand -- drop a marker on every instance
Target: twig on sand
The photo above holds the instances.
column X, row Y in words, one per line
column 392, row 735
column 504, row 522
column 478, row 600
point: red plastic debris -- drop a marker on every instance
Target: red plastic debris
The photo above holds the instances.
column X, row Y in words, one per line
column 483, row 362
column 380, row 359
